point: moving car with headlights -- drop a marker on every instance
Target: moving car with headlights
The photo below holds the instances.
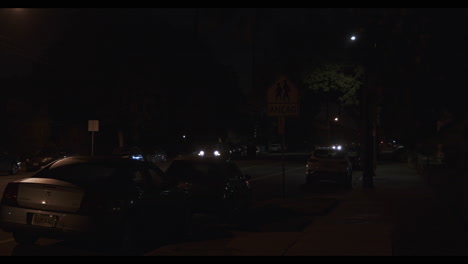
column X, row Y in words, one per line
column 95, row 198
column 329, row 163
column 9, row 163
column 215, row 185
column 45, row 156
column 210, row 151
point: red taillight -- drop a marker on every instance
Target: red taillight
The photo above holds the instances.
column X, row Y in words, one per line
column 10, row 195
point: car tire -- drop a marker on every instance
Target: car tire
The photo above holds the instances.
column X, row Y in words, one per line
column 14, row 169
column 25, row 238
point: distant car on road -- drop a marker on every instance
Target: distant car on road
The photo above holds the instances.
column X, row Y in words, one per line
column 329, row 163
column 9, row 163
column 238, row 152
column 130, row 152
column 275, row 148
column 157, row 156
column 211, row 151
column 215, row 185
column 95, row 198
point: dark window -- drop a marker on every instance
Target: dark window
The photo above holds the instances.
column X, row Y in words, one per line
column 87, row 174
column 329, row 154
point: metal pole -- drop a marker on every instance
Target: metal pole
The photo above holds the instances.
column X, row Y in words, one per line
column 282, row 164
column 92, row 143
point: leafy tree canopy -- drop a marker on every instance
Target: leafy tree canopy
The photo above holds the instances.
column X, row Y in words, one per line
column 338, row 81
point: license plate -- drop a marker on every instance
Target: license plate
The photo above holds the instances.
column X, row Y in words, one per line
column 44, row 220
column 35, row 164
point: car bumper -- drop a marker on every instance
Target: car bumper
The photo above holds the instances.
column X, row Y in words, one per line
column 67, row 226
column 326, row 175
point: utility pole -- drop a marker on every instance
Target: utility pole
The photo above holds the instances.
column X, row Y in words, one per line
column 369, row 107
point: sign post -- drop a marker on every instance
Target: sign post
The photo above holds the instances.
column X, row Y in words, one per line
column 283, row 100
column 93, row 126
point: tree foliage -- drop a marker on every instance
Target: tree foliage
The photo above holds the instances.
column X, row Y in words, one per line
column 338, row 81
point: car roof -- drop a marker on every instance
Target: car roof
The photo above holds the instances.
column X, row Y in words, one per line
column 323, row 148
column 113, row 160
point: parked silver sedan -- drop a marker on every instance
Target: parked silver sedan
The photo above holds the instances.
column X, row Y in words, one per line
column 108, row 198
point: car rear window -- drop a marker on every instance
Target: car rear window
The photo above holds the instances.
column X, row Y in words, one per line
column 85, row 174
column 182, row 169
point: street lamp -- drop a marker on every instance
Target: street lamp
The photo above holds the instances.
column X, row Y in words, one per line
column 336, row 119
column 353, row 38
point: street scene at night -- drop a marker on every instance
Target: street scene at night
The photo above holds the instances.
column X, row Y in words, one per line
column 168, row 132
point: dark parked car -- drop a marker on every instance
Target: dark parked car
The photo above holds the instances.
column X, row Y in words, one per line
column 9, row 163
column 95, row 198
column 45, row 156
column 215, row 185
column 238, row 152
column 157, row 156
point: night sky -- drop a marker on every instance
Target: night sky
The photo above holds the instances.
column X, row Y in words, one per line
column 158, row 73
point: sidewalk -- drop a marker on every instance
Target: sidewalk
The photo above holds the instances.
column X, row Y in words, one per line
column 400, row 216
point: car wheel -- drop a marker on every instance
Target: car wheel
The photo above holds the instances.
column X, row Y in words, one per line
column 14, row 169
column 24, row 238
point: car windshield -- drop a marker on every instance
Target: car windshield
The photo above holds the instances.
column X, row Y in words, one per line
column 329, row 154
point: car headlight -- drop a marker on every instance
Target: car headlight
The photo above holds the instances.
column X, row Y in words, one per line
column 201, row 153
column 216, row 153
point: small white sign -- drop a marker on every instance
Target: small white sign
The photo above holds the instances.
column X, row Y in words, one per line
column 93, row 125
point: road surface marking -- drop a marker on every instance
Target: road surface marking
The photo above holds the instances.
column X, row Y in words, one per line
column 276, row 173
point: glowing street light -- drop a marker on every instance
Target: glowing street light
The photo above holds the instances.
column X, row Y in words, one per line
column 353, row 38
column 336, row 119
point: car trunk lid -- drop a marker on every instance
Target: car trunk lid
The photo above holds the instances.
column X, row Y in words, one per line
column 49, row 195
